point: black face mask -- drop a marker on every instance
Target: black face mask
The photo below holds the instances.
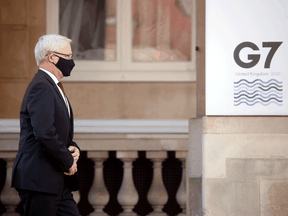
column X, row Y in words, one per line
column 65, row 66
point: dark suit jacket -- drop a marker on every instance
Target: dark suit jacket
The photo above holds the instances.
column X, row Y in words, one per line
column 46, row 133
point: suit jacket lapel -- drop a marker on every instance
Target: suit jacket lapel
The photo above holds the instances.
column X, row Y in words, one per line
column 56, row 89
column 71, row 125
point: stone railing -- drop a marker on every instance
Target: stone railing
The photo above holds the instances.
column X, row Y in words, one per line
column 127, row 139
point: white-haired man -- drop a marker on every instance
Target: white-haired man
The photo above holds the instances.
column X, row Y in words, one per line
column 46, row 162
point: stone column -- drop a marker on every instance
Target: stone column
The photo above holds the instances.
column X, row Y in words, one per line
column 157, row 195
column 98, row 196
column 127, row 196
column 9, row 196
column 240, row 165
column 181, row 195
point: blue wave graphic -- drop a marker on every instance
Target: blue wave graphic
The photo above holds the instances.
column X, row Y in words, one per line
column 258, row 92
column 270, row 88
column 259, row 95
column 251, row 101
column 264, row 104
column 257, row 88
column 258, row 84
column 244, row 80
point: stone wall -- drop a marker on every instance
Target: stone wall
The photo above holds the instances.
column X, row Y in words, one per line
column 24, row 21
column 244, row 165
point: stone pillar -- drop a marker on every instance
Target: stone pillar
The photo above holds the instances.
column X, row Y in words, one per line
column 181, row 195
column 98, row 196
column 244, row 165
column 9, row 196
column 127, row 196
column 157, row 195
column 195, row 166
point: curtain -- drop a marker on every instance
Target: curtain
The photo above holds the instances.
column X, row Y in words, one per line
column 84, row 22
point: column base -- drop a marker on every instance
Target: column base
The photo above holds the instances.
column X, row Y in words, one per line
column 128, row 214
column 10, row 214
column 157, row 214
column 98, row 214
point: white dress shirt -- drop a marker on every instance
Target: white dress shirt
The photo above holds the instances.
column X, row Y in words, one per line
column 53, row 77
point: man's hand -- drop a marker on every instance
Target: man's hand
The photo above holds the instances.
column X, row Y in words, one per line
column 72, row 170
column 75, row 152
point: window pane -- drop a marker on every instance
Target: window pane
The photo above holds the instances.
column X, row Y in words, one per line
column 162, row 30
column 91, row 24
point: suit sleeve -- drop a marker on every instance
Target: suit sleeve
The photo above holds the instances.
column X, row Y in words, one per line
column 41, row 108
column 72, row 143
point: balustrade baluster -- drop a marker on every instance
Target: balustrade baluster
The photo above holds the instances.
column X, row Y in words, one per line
column 181, row 195
column 127, row 196
column 9, row 196
column 157, row 195
column 98, row 195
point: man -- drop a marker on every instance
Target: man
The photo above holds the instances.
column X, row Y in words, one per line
column 45, row 165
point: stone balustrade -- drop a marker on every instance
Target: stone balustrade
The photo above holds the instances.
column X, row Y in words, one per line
column 9, row 196
column 127, row 146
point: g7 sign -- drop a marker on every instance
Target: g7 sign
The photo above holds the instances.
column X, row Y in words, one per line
column 255, row 57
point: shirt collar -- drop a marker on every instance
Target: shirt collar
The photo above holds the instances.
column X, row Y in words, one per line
column 53, row 77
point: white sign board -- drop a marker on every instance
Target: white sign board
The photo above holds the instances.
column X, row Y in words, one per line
column 246, row 57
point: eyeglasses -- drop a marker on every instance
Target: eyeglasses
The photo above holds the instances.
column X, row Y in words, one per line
column 69, row 56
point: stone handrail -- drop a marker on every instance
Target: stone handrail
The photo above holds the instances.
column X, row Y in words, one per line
column 126, row 146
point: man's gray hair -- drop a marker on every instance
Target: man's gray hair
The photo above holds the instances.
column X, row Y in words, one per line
column 49, row 42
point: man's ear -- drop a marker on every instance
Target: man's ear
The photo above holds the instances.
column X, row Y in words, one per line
column 50, row 57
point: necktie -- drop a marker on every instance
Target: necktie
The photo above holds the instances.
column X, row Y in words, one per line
column 62, row 88
column 66, row 103
column 65, row 100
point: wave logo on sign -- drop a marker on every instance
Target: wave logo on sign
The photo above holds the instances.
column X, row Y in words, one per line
column 258, row 92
